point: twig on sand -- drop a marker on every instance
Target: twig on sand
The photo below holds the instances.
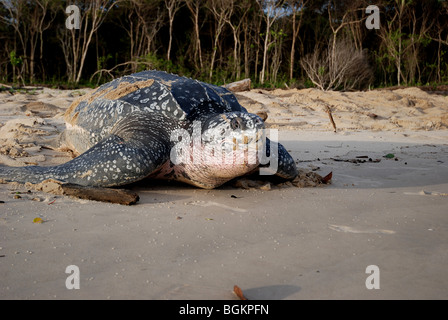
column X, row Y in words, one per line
column 328, row 110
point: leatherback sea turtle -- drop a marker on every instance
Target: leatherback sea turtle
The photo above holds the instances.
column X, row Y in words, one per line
column 159, row 125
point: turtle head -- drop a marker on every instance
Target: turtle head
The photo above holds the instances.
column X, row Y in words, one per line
column 221, row 147
column 229, row 144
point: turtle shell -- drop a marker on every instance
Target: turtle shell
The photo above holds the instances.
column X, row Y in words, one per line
column 176, row 97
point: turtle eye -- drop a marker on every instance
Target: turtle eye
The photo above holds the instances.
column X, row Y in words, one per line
column 237, row 123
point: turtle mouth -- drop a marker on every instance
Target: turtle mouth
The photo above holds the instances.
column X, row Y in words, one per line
column 242, row 140
column 238, row 147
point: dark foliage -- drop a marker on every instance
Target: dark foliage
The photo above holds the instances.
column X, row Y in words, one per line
column 237, row 39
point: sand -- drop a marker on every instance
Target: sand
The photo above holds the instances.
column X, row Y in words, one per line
column 181, row 242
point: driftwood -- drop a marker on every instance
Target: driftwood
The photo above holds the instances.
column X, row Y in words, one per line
column 238, row 86
column 119, row 196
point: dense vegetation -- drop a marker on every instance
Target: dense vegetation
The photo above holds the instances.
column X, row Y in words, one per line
column 324, row 43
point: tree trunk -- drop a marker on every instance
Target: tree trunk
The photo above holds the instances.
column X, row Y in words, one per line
column 212, row 62
column 222, row 11
column 297, row 8
column 194, row 6
column 293, row 45
column 246, row 52
column 399, row 55
column 198, row 38
column 265, row 52
column 235, row 52
column 168, row 53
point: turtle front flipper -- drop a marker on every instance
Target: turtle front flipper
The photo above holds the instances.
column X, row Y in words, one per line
column 137, row 146
column 278, row 161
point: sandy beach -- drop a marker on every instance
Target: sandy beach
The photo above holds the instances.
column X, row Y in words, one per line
column 387, row 206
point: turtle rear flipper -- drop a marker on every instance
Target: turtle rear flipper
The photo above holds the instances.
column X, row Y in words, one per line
column 134, row 149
